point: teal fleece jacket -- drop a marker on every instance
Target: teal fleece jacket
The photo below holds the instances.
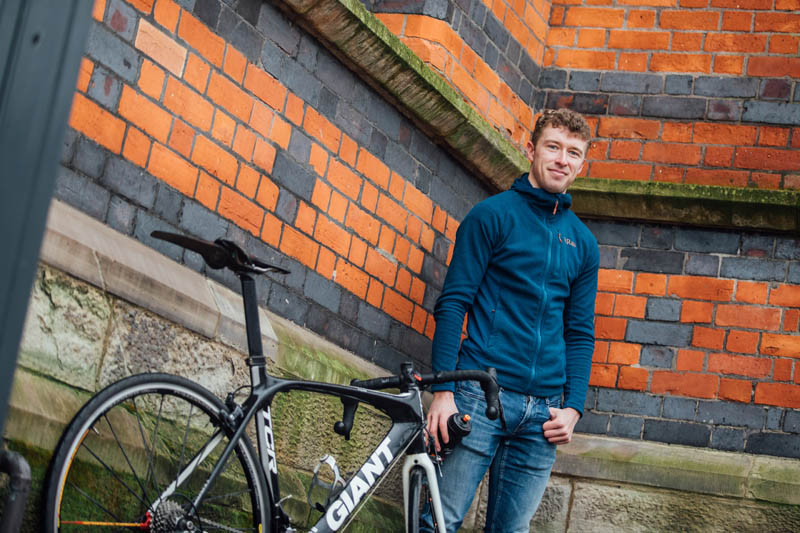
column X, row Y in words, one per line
column 524, row 269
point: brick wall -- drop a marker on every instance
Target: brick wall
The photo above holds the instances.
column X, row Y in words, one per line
column 220, row 121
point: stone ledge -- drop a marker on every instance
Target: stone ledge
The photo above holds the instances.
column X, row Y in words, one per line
column 666, row 466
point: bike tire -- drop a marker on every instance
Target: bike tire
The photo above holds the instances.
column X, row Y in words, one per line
column 130, row 451
column 416, row 478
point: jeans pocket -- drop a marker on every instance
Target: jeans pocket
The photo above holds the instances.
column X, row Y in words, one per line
column 470, row 388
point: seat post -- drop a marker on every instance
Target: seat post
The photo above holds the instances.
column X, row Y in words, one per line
column 252, row 324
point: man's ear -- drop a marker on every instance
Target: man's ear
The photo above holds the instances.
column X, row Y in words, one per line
column 529, row 151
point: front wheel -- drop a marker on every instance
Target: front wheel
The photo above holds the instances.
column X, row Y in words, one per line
column 416, row 479
column 136, row 455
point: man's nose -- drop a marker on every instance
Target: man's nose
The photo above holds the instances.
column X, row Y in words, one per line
column 561, row 158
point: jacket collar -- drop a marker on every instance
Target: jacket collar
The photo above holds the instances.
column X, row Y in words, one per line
column 541, row 198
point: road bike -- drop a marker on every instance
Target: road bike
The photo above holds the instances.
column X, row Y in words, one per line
column 161, row 453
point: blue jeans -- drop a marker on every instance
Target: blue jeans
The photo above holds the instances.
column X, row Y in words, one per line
column 519, row 461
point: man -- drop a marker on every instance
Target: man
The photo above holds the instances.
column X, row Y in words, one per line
column 524, row 269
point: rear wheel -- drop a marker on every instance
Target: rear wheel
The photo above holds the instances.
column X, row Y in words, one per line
column 137, row 454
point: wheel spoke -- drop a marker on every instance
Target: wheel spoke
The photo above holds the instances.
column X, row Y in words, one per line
column 127, row 459
column 114, row 475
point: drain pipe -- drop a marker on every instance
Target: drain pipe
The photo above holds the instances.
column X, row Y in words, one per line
column 19, row 485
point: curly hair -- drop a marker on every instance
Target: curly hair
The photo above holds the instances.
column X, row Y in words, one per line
column 561, row 118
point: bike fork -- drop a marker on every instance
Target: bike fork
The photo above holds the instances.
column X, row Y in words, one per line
column 422, row 459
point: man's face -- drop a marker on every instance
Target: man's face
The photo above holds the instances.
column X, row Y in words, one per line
column 556, row 159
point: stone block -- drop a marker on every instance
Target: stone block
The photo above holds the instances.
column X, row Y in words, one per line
column 552, row 516
column 628, row 402
column 644, row 260
column 771, row 113
column 628, row 82
column 674, row 107
column 719, row 87
column 753, row 269
column 657, row 356
column 685, row 433
column 662, row 334
column 663, row 309
column 697, row 240
column 776, row 480
column 679, row 408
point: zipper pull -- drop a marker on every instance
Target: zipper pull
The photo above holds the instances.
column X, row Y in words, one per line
column 555, row 206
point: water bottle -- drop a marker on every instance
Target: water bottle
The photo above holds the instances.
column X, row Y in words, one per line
column 458, row 427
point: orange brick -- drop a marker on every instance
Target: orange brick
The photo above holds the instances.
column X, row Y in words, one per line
column 161, row 47
column 557, row 36
column 261, row 119
column 719, row 290
column 690, row 360
column 737, row 390
column 181, row 138
column 338, row 207
column 379, row 266
column 763, row 159
column 348, row 151
column 364, row 224
column 414, row 228
column 419, row 319
column 737, row 21
column 333, row 236
column 85, row 74
column 594, row 17
column 401, row 248
column 750, row 292
column 610, row 328
column 281, row 132
column 680, row 62
column 452, row 228
column 722, row 178
column 96, row 123
column 439, row 219
column 264, row 155
column 754, row 367
column 235, row 64
column 686, row 41
column 369, row 196
column 403, row 282
column 144, row 6
column 326, row 263
column 742, row 341
column 187, row 104
column 215, row 160
column 698, row 312
column 603, row 375
column 358, row 252
column 207, row 192
column 782, row 370
column 769, row 136
column 417, row 293
column 718, row 156
column 318, row 159
column 615, row 281
column 638, row 40
column 745, row 316
column 604, row 303
column 137, row 147
column 709, row 133
column 295, row 108
column 736, row 42
column 708, row 338
column 791, row 320
column 264, row 86
column 244, row 142
column 677, row 132
column 675, row 153
column 628, row 128
column 684, row 384
column 415, row 258
column 242, row 212
column 600, row 354
column 766, row 181
column 344, row 179
column 783, row 44
column 223, row 128
column 199, row 37
column 585, row 59
column 151, row 79
column 296, row 245
column 418, row 203
column 172, row 169
column 689, row 20
column 373, row 168
column 166, row 14
column 623, row 171
column 98, row 10
column 641, row 18
column 271, row 232
column 392, row 213
column 630, row 306
column 668, row 174
column 321, row 195
column 785, row 295
column 633, row 378
column 397, row 306
column 196, row 72
column 623, row 353
column 651, row 284
column 247, row 181
column 632, row 62
column 143, row 113
column 397, row 186
column 591, row 38
column 268, row 192
column 227, row 95
column 322, row 129
column 426, row 238
column 386, row 239
column 375, row 293
column 779, row 394
column 780, row 345
column 628, row 150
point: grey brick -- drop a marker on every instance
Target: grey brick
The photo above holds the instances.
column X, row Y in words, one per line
column 659, row 237
column 81, row 193
column 112, row 52
column 702, row 265
column 696, row 240
column 590, row 103
column 272, row 58
column 409, row 341
column 731, row 414
column 794, row 273
column 425, row 151
column 121, row 215
column 441, row 248
column 791, row 422
column 614, row 233
column 771, row 113
column 629, row 427
column 439, row 9
column 526, row 91
column 663, row 309
column 652, row 261
column 623, row 82
column 431, row 295
column 628, row 105
column 433, row 271
column 584, row 81
column 389, row 357
column 188, row 5
column 508, row 72
column 353, row 123
column 478, row 13
column 592, row 422
column 787, row 248
column 591, row 398
column 299, row 80
column 491, row 55
column 168, row 204
column 296, row 279
column 348, row 306
column 385, row 118
column 628, row 402
column 307, row 52
column 674, row 107
column 89, row 158
column 334, row 75
column 679, row 408
column 796, row 92
column 777, row 444
column 207, row 11
column 374, row 320
column 678, row 84
column 755, row 269
column 68, row 146
column 472, row 34
column 287, row 304
column 198, row 220
column 323, row 291
column 286, row 209
column 530, row 69
column 299, row 146
column 719, row 87
column 728, row 439
column 514, row 51
column 758, row 245
column 725, row 110
column 608, row 257
column 249, row 10
column 496, row 31
column 657, row 356
column 685, row 433
column 328, row 103
column 130, row 181
column 293, row 176
column 146, row 223
column 121, row 18
column 377, row 144
column 774, row 415
column 552, row 79
column 678, row 335
column 274, row 25
column 776, row 89
column 400, row 161
column 104, row 88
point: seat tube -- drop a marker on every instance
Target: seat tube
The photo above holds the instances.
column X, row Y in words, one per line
column 252, row 324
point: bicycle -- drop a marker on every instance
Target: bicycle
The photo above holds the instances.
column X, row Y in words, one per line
column 160, row 453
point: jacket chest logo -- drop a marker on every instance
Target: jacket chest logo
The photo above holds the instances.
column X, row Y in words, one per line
column 566, row 240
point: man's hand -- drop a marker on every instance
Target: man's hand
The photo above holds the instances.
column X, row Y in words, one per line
column 558, row 430
column 442, row 407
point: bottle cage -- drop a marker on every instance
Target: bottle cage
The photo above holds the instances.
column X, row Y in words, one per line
column 333, row 488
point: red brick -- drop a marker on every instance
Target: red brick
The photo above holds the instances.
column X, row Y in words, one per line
column 686, row 41
column 98, row 10
column 721, row 178
column 651, row 284
column 780, row 345
column 196, row 72
column 785, row 295
column 296, row 245
column 767, row 158
column 151, row 79
column 677, row 132
column 261, row 119
column 708, row 338
column 698, row 312
column 585, row 59
column 85, row 74
column 742, row 341
column 392, row 213
column 600, row 354
column 401, row 249
column 386, row 239
column 181, row 138
column 452, row 227
column 753, row 293
column 247, row 181
column 419, row 319
column 322, row 129
column 207, row 192
column 709, row 133
column 771, row 136
column 628, row 128
column 778, row 22
column 215, row 160
column 604, row 304
column 763, row 180
column 610, row 328
column 96, row 123
column 690, row 360
column 199, row 37
column 343, row 179
column 417, row 292
column 620, row 171
column 172, row 169
column 397, row 306
column 685, row 154
column 736, row 42
column 623, row 353
column 235, row 64
column 689, row 20
column 718, row 156
column 680, row 62
column 332, row 235
column 267, row 193
column 369, row 196
column 754, row 367
column 582, row 17
column 745, row 316
column 783, row 44
column 264, row 155
column 418, row 203
column 379, row 266
column 415, row 258
column 426, row 238
column 229, row 96
column 348, row 151
column 373, row 168
column 779, row 394
column 620, row 281
column 137, row 147
column 729, row 65
column 166, row 14
column 403, row 282
column 187, row 104
column 145, row 6
column 638, row 40
column 684, row 384
column 364, row 224
column 719, row 290
column 223, row 128
column 630, row 306
column 782, row 370
column 791, row 320
column 633, row 378
column 143, row 113
column 439, row 219
column 641, row 18
column 161, row 47
column 603, row 375
column 737, row 390
column 295, row 109
column 242, row 212
column 668, row 174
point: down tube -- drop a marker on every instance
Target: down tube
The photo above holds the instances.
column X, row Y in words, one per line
column 341, row 511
